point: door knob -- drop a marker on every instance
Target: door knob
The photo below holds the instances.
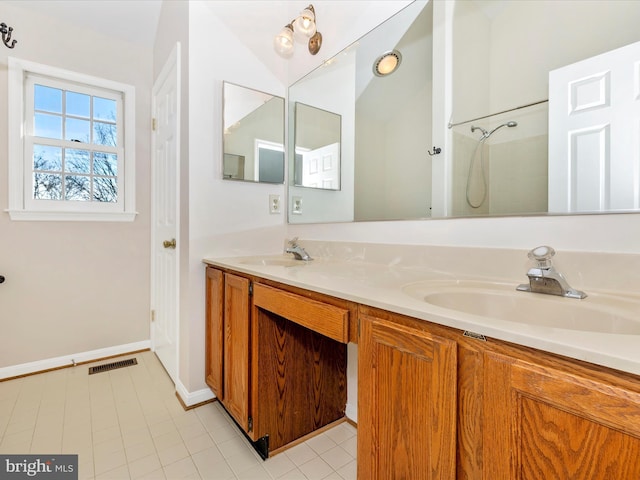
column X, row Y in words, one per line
column 169, row 243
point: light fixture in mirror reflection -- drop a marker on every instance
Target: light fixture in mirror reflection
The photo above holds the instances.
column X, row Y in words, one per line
column 502, row 55
column 317, row 148
column 253, row 139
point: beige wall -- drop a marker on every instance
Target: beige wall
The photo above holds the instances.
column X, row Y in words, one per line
column 74, row 287
column 537, row 31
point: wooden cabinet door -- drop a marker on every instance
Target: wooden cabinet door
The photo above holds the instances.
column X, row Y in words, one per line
column 236, row 348
column 406, row 403
column 214, row 331
column 541, row 422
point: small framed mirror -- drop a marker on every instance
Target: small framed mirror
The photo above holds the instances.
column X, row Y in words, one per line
column 253, row 139
column 317, row 148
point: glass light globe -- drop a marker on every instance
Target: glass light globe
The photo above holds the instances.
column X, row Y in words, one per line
column 283, row 42
column 305, row 24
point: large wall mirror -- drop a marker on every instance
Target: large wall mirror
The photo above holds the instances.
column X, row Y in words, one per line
column 253, row 143
column 498, row 158
column 317, row 148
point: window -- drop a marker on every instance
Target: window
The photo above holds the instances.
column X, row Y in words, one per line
column 71, row 145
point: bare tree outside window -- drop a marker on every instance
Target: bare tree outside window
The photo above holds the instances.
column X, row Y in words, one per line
column 78, row 174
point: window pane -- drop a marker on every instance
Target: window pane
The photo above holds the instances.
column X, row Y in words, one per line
column 77, row 130
column 105, row 134
column 104, row 109
column 76, row 161
column 77, row 187
column 105, row 164
column 105, row 190
column 48, row 99
column 48, row 126
column 78, row 104
column 47, row 158
column 46, row 186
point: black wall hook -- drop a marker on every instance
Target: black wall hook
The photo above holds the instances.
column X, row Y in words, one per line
column 436, row 151
column 6, row 35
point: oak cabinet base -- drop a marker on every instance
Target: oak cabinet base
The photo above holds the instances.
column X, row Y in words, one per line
column 299, row 379
column 433, row 404
column 278, row 379
column 545, row 421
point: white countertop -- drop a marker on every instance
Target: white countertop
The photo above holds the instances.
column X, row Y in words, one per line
column 382, row 286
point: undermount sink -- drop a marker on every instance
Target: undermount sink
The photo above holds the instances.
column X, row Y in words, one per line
column 278, row 261
column 596, row 313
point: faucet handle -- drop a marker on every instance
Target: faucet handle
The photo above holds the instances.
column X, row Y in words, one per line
column 542, row 255
column 293, row 242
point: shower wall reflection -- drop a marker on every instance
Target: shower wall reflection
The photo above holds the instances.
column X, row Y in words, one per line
column 506, row 173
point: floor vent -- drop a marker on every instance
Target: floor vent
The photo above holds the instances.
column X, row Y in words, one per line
column 112, row 366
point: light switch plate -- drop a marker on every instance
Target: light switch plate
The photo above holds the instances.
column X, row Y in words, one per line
column 274, row 204
column 296, row 205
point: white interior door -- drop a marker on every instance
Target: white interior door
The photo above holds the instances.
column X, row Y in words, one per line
column 165, row 248
column 321, row 167
column 594, row 132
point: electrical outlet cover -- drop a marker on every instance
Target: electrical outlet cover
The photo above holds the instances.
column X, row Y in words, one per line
column 274, row 203
column 296, row 207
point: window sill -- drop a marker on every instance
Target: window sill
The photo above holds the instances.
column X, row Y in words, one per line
column 33, row 215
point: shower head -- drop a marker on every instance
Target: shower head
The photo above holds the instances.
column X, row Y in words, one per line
column 507, row 124
column 486, row 134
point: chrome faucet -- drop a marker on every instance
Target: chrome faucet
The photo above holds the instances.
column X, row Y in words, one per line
column 298, row 252
column 544, row 278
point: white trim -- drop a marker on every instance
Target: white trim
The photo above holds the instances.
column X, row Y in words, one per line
column 193, row 398
column 15, row 131
column 72, row 216
column 68, row 360
column 19, row 208
column 351, row 412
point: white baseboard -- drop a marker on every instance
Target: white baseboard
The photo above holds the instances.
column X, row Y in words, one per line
column 351, row 412
column 68, row 360
column 193, row 398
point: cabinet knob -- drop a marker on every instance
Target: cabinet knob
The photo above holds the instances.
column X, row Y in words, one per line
column 169, row 243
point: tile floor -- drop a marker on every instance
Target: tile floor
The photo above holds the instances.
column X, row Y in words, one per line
column 128, row 424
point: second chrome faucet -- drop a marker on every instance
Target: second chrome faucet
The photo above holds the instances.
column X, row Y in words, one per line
column 544, row 278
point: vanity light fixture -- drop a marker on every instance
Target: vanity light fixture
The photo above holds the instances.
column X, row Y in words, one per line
column 302, row 28
column 6, row 35
column 387, row 63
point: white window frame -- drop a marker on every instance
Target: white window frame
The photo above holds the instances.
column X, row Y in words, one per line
column 21, row 205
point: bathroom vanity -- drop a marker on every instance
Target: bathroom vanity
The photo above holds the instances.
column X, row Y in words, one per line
column 437, row 396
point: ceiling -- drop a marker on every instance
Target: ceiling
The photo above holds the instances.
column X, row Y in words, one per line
column 340, row 21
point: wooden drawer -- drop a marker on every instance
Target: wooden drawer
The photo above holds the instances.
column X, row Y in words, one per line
column 320, row 317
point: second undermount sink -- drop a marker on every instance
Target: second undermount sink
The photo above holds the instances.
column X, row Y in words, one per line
column 596, row 313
